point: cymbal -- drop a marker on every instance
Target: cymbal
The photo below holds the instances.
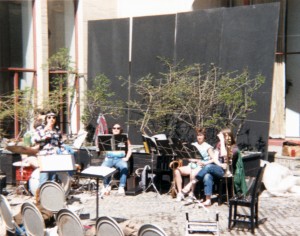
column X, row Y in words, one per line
column 22, row 150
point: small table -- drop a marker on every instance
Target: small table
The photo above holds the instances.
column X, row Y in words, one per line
column 98, row 172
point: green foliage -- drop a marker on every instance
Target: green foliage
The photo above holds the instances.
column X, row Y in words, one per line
column 61, row 60
column 23, row 110
column 197, row 97
column 99, row 98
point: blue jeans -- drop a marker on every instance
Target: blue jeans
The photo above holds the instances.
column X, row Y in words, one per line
column 46, row 176
column 119, row 164
column 207, row 175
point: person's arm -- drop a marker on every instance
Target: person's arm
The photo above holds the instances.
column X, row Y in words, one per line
column 217, row 162
column 223, row 151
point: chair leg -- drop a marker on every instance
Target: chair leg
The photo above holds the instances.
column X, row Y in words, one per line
column 220, row 192
column 234, row 215
column 252, row 216
column 230, row 215
column 256, row 214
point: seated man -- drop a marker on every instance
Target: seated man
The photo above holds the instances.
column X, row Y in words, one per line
column 119, row 160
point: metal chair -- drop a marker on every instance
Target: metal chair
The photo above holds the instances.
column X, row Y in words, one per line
column 250, row 200
column 198, row 227
column 32, row 219
column 68, row 223
column 52, row 196
column 151, row 230
column 107, row 226
column 7, row 217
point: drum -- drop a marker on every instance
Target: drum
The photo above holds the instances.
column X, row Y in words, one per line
column 23, row 171
column 65, row 179
column 34, row 181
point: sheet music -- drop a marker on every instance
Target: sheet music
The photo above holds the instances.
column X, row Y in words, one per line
column 63, row 162
column 80, row 139
column 102, row 171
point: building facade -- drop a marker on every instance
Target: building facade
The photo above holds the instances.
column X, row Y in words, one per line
column 31, row 31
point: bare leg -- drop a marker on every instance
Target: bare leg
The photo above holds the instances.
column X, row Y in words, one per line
column 179, row 172
column 193, row 180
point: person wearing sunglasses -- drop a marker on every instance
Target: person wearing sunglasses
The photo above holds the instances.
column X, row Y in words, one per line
column 119, row 160
column 49, row 139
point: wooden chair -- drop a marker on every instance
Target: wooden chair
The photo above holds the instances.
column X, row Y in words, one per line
column 250, row 201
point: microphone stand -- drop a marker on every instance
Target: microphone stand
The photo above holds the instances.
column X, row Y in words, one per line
column 151, row 183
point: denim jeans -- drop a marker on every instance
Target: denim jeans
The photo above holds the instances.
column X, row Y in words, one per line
column 46, row 176
column 119, row 164
column 207, row 174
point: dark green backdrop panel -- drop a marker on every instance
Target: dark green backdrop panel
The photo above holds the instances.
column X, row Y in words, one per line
column 198, row 36
column 249, row 41
column 108, row 53
column 152, row 37
column 234, row 39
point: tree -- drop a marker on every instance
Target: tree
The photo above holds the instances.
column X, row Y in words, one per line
column 99, row 99
column 195, row 96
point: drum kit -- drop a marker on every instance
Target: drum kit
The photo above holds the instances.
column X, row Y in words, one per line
column 28, row 173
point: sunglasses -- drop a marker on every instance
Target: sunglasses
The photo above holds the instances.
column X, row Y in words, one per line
column 51, row 117
column 116, row 128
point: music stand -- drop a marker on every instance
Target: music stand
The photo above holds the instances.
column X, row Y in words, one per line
column 105, row 142
column 165, row 148
column 98, row 172
column 181, row 150
column 151, row 148
column 120, row 142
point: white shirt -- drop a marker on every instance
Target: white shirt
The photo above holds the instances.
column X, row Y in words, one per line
column 203, row 150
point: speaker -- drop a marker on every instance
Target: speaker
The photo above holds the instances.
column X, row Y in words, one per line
column 6, row 165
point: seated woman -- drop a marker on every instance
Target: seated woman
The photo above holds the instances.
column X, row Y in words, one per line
column 119, row 160
column 217, row 169
column 195, row 164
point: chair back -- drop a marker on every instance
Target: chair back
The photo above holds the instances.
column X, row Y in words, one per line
column 107, row 226
column 254, row 189
column 68, row 223
column 6, row 214
column 52, row 196
column 151, row 230
column 32, row 219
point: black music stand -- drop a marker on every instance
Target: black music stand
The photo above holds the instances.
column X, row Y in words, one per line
column 105, row 142
column 120, row 142
column 165, row 148
column 98, row 172
column 181, row 150
column 151, row 148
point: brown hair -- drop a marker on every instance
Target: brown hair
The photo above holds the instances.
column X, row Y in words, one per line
column 121, row 129
column 201, row 131
column 229, row 132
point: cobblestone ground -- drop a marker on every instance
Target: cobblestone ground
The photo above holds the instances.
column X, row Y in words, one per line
column 277, row 215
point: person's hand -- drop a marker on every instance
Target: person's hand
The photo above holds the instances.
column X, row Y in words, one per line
column 201, row 163
column 224, row 166
column 221, row 137
column 125, row 159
